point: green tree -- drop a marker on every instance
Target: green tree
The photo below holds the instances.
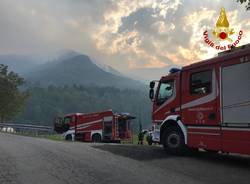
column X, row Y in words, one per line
column 245, row 1
column 11, row 97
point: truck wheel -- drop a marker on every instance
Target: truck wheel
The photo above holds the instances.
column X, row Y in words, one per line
column 68, row 137
column 96, row 138
column 150, row 142
column 173, row 141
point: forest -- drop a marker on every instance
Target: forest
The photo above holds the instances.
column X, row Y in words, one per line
column 44, row 104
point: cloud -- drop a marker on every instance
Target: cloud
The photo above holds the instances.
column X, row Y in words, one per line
column 122, row 33
column 136, row 30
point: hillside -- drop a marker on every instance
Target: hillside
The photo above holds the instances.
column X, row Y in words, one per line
column 46, row 103
column 78, row 70
column 73, row 83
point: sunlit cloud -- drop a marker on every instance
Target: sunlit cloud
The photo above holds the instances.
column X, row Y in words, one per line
column 108, row 39
column 122, row 33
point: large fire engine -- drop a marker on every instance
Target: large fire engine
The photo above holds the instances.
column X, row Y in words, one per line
column 205, row 105
column 105, row 126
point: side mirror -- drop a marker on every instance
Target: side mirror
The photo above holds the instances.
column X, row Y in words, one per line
column 152, row 84
column 151, row 93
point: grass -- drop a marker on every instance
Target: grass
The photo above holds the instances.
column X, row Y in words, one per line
column 54, row 137
column 58, row 137
column 134, row 140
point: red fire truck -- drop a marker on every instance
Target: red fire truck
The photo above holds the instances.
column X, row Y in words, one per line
column 105, row 126
column 205, row 105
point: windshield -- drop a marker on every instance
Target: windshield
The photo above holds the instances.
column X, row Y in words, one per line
column 61, row 124
column 69, row 119
column 58, row 120
column 165, row 91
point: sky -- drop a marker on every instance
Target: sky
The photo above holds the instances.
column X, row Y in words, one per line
column 125, row 34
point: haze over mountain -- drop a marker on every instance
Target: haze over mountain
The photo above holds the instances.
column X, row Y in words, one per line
column 79, row 70
column 18, row 63
column 148, row 74
column 35, row 65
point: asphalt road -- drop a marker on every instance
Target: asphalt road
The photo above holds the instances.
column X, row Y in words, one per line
column 26, row 160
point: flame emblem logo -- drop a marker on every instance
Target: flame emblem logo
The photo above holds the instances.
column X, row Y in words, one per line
column 222, row 31
column 223, row 37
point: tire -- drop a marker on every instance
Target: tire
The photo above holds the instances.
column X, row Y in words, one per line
column 96, row 138
column 68, row 137
column 149, row 140
column 173, row 141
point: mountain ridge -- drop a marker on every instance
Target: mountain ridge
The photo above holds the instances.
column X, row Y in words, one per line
column 80, row 70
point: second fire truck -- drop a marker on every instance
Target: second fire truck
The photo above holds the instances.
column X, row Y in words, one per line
column 105, row 126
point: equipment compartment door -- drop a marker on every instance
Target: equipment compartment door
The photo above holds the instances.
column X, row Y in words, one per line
column 200, row 98
column 235, row 81
column 107, row 127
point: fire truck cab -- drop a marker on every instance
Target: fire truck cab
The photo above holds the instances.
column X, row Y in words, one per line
column 105, row 126
column 205, row 105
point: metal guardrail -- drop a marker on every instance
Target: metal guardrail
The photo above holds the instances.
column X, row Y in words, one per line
column 27, row 127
